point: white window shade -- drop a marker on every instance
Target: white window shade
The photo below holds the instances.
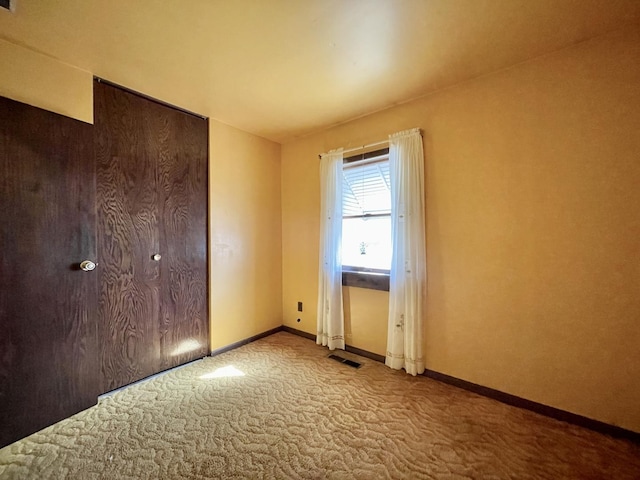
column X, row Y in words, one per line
column 366, row 210
column 366, row 189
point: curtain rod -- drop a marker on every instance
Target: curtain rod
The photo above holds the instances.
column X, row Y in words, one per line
column 349, row 150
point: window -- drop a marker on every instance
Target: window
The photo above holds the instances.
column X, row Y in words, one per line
column 366, row 220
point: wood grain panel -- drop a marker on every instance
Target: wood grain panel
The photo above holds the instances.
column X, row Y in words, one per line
column 152, row 195
column 47, row 304
column 182, row 194
column 126, row 154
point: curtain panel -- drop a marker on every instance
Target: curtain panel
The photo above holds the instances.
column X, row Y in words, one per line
column 330, row 331
column 408, row 282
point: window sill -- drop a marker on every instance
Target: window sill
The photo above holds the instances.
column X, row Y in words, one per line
column 371, row 280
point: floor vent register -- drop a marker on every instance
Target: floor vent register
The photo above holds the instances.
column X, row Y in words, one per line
column 346, row 361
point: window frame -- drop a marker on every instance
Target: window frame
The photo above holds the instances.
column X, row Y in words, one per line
column 370, row 278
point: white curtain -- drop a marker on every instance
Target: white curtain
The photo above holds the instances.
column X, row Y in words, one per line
column 330, row 312
column 407, row 288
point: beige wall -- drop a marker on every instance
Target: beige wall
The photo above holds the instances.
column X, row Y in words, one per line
column 533, row 221
column 31, row 77
column 245, row 228
column 246, row 255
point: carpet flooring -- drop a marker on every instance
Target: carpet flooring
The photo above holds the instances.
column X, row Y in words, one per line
column 279, row 408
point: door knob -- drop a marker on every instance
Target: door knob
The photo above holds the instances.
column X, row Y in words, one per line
column 87, row 265
column 156, row 257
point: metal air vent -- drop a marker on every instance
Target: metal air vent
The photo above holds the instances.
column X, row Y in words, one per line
column 346, row 361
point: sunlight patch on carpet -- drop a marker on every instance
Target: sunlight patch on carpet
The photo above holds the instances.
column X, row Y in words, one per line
column 228, row 371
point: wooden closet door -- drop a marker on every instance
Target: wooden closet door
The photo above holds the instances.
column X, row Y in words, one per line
column 182, row 193
column 48, row 305
column 152, row 210
column 127, row 150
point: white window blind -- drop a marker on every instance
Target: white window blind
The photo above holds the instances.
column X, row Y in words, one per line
column 366, row 210
column 366, row 188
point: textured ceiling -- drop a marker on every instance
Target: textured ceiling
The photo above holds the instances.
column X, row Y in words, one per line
column 285, row 68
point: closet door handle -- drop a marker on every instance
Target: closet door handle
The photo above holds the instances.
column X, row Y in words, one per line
column 88, row 266
column 156, row 257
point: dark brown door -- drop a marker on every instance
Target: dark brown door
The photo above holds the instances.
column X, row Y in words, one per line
column 128, row 236
column 47, row 304
column 152, row 206
column 182, row 197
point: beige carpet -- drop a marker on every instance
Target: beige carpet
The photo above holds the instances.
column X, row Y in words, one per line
column 296, row 414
